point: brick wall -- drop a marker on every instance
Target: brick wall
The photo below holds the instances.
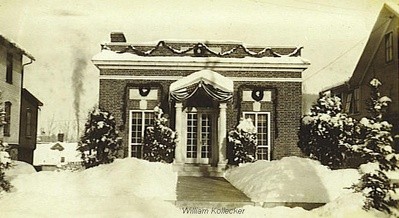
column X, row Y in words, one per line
column 285, row 109
column 114, row 97
column 140, row 72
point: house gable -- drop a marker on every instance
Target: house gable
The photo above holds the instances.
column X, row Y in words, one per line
column 386, row 22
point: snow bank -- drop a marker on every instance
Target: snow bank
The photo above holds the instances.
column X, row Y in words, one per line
column 348, row 205
column 126, row 188
column 137, row 188
column 19, row 168
column 123, row 177
column 291, row 179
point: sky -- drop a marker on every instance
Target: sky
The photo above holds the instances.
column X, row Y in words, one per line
column 63, row 36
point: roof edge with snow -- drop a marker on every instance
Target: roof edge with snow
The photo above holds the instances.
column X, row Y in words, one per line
column 15, row 45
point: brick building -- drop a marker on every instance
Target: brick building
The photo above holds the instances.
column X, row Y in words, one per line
column 17, row 102
column 205, row 88
column 379, row 60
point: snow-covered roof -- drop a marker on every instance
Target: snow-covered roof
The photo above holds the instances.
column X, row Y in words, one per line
column 2, row 37
column 44, row 153
column 207, row 76
column 111, row 58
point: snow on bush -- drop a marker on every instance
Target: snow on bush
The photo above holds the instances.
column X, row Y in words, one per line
column 5, row 163
column 242, row 142
column 326, row 134
column 124, row 188
column 100, row 141
column 375, row 183
column 159, row 140
column 291, row 179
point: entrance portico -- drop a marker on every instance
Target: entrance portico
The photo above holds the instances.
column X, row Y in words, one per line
column 200, row 104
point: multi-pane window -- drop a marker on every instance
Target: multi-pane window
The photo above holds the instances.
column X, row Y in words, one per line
column 348, row 102
column 261, row 121
column 199, row 135
column 7, row 118
column 192, row 130
column 206, row 135
column 139, row 120
column 389, row 47
column 352, row 103
column 9, row 68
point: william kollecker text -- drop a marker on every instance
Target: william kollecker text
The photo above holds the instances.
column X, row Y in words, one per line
column 214, row 210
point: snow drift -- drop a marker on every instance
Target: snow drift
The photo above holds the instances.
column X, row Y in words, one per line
column 126, row 187
column 291, row 179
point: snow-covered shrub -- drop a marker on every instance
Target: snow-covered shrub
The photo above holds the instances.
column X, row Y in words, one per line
column 327, row 134
column 159, row 140
column 5, row 163
column 242, row 141
column 100, row 141
column 377, row 187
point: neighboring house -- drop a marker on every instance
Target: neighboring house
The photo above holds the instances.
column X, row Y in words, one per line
column 205, row 88
column 11, row 85
column 28, row 123
column 379, row 60
column 56, row 155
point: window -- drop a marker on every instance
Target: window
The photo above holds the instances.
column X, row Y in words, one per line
column 348, row 102
column 356, row 100
column 7, row 118
column 352, row 103
column 9, row 68
column 261, row 121
column 28, row 123
column 139, row 120
column 388, row 47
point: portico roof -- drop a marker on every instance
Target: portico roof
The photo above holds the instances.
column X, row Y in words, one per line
column 208, row 76
column 217, row 86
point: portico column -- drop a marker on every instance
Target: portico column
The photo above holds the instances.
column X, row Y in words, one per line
column 222, row 134
column 179, row 146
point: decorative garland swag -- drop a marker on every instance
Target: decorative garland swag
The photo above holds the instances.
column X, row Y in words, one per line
column 200, row 49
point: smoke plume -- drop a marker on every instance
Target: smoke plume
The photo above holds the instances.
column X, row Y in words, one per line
column 79, row 65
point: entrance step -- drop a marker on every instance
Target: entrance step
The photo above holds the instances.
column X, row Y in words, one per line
column 199, row 170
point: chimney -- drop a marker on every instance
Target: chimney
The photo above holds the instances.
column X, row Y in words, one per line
column 118, row 37
column 60, row 137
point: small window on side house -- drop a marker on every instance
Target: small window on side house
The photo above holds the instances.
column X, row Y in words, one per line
column 348, row 103
column 9, row 68
column 388, row 47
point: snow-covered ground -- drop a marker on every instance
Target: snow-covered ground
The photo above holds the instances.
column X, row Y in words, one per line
column 125, row 188
column 291, row 179
column 137, row 188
